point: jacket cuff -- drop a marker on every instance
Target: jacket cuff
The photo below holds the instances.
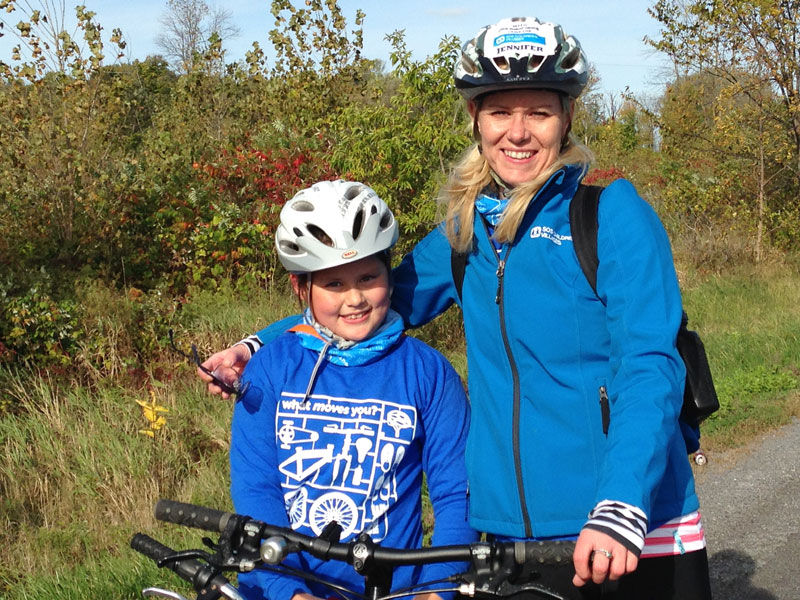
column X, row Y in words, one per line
column 626, row 523
column 252, row 343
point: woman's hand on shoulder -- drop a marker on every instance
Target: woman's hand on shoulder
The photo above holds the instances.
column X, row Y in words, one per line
column 592, row 562
column 227, row 366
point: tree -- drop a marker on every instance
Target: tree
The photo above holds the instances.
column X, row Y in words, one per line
column 404, row 142
column 589, row 111
column 734, row 39
column 745, row 124
column 53, row 137
column 45, row 45
column 189, row 26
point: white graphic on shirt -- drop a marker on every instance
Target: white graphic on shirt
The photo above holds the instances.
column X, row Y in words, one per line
column 548, row 233
column 338, row 459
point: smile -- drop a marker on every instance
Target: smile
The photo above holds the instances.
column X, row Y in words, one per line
column 518, row 154
column 355, row 316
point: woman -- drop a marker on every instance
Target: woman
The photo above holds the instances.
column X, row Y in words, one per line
column 575, row 395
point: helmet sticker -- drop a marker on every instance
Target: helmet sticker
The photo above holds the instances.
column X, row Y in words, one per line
column 521, row 38
column 518, row 38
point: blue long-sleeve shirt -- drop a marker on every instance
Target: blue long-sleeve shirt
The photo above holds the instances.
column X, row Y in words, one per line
column 355, row 452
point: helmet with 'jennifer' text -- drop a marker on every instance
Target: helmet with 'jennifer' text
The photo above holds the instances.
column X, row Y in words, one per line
column 521, row 52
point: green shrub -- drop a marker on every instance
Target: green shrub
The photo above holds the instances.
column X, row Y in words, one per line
column 37, row 328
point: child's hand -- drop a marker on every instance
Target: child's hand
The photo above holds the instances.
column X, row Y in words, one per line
column 227, row 365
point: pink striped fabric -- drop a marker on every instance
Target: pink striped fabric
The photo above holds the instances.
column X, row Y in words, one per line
column 678, row 536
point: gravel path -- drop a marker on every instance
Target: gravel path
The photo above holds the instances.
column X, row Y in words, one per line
column 750, row 502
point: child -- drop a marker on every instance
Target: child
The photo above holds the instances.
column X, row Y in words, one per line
column 343, row 411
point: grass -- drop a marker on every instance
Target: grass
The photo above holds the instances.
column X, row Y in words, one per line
column 750, row 323
column 78, row 479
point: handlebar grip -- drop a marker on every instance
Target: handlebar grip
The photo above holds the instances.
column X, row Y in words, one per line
column 200, row 575
column 553, row 552
column 185, row 569
column 191, row 515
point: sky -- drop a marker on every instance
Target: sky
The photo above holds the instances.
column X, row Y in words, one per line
column 611, row 32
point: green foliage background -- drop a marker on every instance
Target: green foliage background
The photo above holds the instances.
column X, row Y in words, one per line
column 135, row 200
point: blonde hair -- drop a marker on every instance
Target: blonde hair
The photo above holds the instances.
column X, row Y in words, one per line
column 472, row 173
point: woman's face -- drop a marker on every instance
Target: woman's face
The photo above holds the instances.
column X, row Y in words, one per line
column 521, row 132
column 352, row 299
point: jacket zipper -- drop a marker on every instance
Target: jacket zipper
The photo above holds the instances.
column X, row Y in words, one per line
column 605, row 412
column 501, row 267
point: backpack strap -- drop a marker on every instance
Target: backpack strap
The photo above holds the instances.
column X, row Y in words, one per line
column 583, row 226
column 458, row 264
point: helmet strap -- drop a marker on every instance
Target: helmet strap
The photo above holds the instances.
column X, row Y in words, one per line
column 568, row 108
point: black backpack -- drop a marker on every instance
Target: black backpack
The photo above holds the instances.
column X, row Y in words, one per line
column 699, row 397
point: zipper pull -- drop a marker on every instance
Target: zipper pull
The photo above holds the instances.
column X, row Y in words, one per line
column 501, row 267
column 605, row 413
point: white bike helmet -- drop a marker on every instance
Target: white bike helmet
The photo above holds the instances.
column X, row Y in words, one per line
column 331, row 223
column 521, row 52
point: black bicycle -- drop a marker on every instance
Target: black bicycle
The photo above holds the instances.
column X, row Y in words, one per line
column 497, row 569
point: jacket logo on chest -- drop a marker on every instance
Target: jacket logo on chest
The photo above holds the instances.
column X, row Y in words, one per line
column 539, row 231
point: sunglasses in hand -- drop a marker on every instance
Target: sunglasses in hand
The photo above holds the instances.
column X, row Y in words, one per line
column 234, row 389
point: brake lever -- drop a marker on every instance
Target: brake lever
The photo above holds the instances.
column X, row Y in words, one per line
column 493, row 574
column 186, row 555
column 506, row 589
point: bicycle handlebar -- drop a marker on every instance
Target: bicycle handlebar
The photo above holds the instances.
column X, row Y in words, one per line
column 198, row 517
column 246, row 543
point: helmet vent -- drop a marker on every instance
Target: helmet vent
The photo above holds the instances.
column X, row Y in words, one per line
column 352, row 192
column 302, row 206
column 570, row 60
column 534, row 61
column 289, row 247
column 468, row 65
column 320, row 235
column 386, row 220
column 358, row 222
column 297, row 231
column 501, row 62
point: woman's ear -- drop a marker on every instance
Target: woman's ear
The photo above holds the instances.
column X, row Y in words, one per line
column 472, row 109
column 299, row 287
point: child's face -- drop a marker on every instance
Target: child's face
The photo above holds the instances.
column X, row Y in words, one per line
column 352, row 299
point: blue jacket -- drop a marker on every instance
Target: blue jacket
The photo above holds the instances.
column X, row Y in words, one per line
column 355, row 451
column 543, row 351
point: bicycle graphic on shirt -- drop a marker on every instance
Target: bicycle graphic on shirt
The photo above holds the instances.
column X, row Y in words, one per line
column 339, row 459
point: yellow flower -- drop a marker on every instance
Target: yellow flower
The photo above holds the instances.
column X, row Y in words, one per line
column 153, row 412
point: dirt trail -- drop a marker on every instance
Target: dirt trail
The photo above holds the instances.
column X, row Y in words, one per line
column 750, row 502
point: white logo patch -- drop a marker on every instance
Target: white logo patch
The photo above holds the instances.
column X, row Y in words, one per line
column 549, row 234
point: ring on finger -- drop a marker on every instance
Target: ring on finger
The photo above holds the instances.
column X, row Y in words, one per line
column 604, row 552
